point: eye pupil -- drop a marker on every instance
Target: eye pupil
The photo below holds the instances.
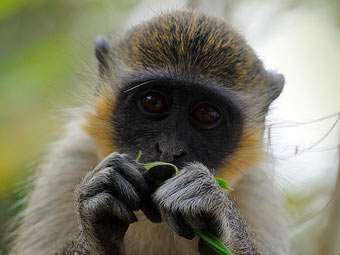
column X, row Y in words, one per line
column 154, row 103
column 206, row 114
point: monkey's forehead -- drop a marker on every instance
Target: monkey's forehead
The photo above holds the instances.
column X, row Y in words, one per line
column 194, row 43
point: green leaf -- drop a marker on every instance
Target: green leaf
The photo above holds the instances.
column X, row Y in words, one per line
column 213, row 242
column 159, row 163
column 139, row 155
column 223, row 184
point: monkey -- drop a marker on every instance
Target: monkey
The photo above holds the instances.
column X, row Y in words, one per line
column 182, row 87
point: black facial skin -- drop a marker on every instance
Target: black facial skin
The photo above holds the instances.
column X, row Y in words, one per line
column 174, row 135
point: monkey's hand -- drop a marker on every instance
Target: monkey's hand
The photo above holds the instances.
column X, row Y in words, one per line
column 106, row 200
column 192, row 200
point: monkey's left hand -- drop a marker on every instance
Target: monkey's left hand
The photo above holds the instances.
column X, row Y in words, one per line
column 192, row 200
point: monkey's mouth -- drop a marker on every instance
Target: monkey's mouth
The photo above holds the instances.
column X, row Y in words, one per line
column 158, row 174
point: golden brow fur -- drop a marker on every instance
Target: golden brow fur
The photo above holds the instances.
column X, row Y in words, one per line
column 195, row 43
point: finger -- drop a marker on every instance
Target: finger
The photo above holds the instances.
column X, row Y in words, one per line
column 109, row 161
column 112, row 240
column 204, row 248
column 124, row 190
column 117, row 246
column 132, row 172
column 177, row 223
column 95, row 183
column 195, row 221
column 150, row 210
column 97, row 207
column 155, row 176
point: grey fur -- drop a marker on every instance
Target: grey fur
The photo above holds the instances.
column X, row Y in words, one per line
column 50, row 221
column 195, row 197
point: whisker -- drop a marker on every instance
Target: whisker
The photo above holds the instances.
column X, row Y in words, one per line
column 137, row 86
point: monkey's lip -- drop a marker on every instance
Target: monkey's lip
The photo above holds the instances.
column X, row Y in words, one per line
column 163, row 172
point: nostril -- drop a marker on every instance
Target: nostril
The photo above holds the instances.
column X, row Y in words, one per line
column 169, row 154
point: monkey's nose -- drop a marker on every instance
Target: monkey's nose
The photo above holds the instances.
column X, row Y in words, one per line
column 169, row 154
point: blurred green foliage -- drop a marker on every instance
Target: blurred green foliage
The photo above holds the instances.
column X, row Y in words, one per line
column 42, row 45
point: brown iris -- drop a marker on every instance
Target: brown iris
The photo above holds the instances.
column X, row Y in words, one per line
column 206, row 114
column 154, row 103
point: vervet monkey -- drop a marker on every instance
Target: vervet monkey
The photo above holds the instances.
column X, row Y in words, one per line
column 184, row 88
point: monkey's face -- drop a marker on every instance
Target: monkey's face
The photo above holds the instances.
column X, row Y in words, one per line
column 186, row 87
column 177, row 122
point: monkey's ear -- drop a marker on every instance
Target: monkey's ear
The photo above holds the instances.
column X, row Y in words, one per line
column 102, row 51
column 277, row 84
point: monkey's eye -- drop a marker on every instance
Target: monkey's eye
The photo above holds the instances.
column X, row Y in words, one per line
column 154, row 103
column 206, row 114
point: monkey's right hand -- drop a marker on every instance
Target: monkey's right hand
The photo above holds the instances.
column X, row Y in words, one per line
column 106, row 199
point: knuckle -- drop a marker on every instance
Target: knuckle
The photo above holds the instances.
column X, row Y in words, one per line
column 114, row 155
column 86, row 212
column 95, row 208
column 110, row 160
